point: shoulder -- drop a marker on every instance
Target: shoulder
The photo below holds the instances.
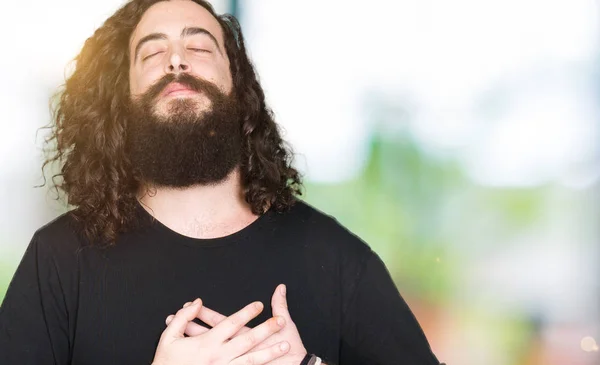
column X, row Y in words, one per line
column 58, row 238
column 337, row 255
column 324, row 232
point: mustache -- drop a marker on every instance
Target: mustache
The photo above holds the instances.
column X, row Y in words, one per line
column 185, row 79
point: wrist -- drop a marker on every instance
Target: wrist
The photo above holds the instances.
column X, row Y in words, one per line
column 311, row 359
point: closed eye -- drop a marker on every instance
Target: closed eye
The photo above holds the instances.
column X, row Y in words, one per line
column 151, row 55
column 200, row 50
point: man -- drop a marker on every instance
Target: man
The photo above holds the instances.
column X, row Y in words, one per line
column 183, row 192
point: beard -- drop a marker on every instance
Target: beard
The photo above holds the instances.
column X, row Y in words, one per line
column 193, row 143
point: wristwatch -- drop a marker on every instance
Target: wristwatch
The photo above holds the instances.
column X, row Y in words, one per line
column 311, row 359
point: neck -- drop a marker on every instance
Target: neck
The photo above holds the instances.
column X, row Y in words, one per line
column 201, row 211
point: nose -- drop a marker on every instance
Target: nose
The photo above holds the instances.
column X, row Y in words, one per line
column 177, row 64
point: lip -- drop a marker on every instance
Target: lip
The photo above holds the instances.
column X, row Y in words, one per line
column 177, row 89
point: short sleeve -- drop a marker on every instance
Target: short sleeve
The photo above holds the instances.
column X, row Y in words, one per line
column 33, row 315
column 378, row 327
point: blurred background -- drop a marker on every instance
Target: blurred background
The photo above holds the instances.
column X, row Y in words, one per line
column 460, row 139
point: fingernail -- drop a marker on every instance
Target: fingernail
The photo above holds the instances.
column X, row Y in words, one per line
column 280, row 321
column 187, row 304
column 196, row 301
column 283, row 289
column 169, row 319
column 284, row 346
column 258, row 305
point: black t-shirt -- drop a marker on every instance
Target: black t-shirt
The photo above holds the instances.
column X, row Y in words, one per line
column 73, row 303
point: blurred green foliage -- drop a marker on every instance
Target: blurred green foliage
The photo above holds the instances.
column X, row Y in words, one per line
column 394, row 207
column 8, row 265
column 423, row 215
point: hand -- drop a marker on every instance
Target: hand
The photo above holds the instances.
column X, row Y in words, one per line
column 213, row 347
column 288, row 334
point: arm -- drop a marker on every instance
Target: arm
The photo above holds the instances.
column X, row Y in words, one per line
column 33, row 317
column 378, row 326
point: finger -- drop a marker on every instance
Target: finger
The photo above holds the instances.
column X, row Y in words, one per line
column 263, row 356
column 279, row 303
column 232, row 324
column 246, row 342
column 213, row 318
column 176, row 327
column 192, row 329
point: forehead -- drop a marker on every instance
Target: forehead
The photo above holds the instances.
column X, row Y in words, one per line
column 170, row 17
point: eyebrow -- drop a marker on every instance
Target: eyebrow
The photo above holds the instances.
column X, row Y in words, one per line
column 186, row 32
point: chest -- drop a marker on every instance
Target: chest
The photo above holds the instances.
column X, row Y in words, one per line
column 123, row 305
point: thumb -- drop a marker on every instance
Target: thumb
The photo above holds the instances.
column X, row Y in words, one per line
column 176, row 328
column 279, row 302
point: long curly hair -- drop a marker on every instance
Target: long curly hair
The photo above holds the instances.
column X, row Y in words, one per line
column 89, row 131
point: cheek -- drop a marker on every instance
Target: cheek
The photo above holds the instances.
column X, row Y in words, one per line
column 136, row 82
column 142, row 80
column 227, row 78
column 211, row 71
column 222, row 79
column 133, row 82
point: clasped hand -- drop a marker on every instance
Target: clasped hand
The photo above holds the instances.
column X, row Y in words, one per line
column 228, row 341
